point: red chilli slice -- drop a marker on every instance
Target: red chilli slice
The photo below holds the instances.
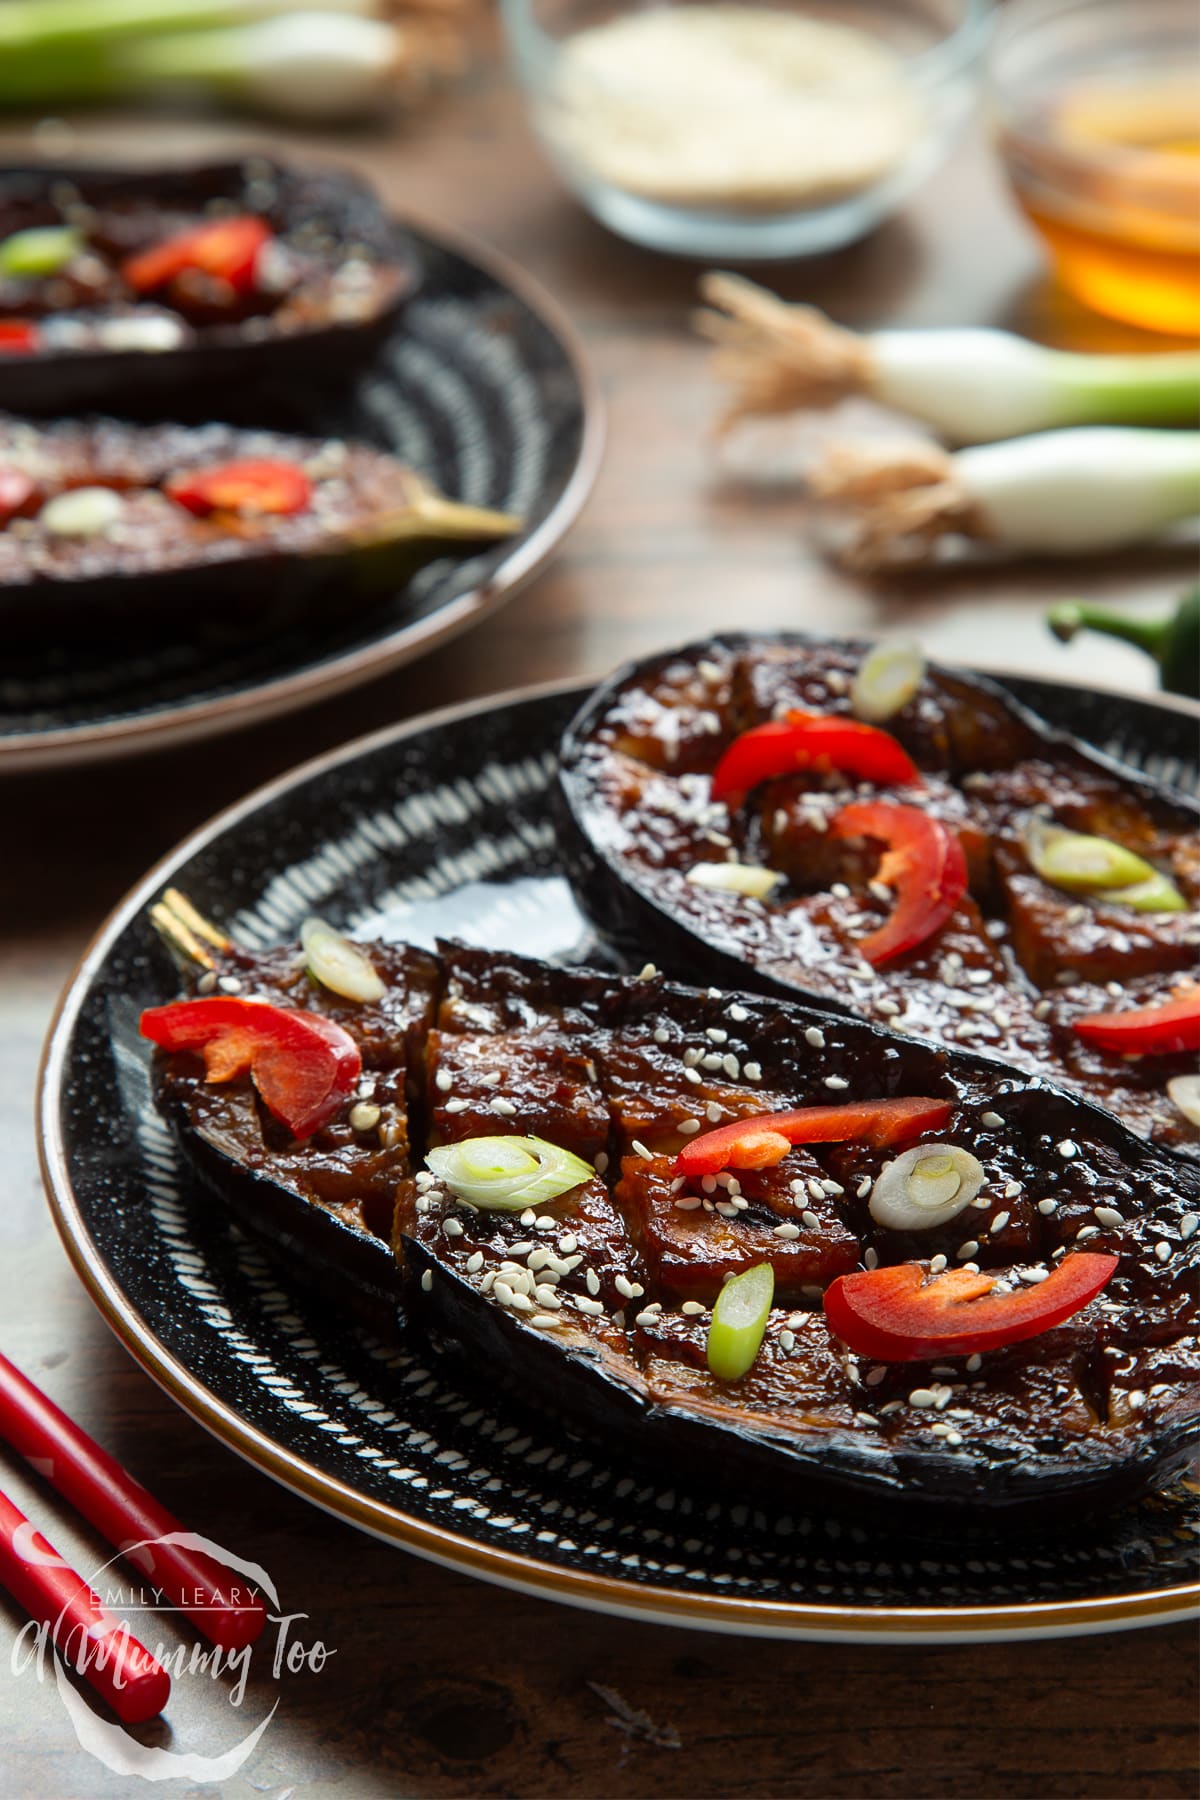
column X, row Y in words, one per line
column 19, row 338
column 251, row 487
column 763, row 1141
column 924, row 862
column 811, row 741
column 303, row 1065
column 895, row 1316
column 1145, row 1030
column 227, row 249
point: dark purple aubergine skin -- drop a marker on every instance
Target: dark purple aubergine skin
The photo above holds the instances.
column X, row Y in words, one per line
column 1046, row 1427
column 241, row 363
column 624, row 870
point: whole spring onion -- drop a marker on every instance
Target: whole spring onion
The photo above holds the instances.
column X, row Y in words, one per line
column 739, row 1321
column 1174, row 642
column 970, row 386
column 338, row 964
column 334, row 60
column 927, row 1186
column 887, row 678
column 507, row 1174
column 1061, row 492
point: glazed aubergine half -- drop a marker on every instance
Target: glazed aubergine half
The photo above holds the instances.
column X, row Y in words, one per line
column 760, row 1240
column 115, row 279
column 902, row 842
column 173, row 529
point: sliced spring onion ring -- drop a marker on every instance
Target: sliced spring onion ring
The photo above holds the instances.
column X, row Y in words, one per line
column 42, row 250
column 507, row 1174
column 928, row 1185
column 735, row 878
column 81, row 512
column 887, row 679
column 338, row 964
column 739, row 1320
column 1184, row 1090
column 1156, row 895
column 1081, row 863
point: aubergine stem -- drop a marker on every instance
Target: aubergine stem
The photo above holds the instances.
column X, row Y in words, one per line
column 1174, row 642
column 186, row 930
column 430, row 516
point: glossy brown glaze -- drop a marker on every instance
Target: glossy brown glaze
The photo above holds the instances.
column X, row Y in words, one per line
column 336, row 271
column 1019, row 960
column 578, row 1304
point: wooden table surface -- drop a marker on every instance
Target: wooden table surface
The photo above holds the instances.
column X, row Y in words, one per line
column 435, row 1687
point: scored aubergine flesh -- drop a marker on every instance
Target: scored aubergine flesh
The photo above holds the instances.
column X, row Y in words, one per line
column 1013, row 968
column 596, row 1304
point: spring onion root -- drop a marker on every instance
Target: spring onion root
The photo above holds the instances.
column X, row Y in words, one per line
column 1059, row 492
column 970, row 386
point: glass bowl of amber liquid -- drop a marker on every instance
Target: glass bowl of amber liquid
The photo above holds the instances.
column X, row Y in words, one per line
column 1096, row 106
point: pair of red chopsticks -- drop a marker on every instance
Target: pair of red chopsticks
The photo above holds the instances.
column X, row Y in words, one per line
column 89, row 1637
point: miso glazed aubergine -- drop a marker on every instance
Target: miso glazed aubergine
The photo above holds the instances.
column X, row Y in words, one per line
column 116, row 281
column 110, row 529
column 903, row 842
column 731, row 1231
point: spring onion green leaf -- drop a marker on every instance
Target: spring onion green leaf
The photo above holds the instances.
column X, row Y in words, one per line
column 338, row 964
column 1081, row 863
column 42, row 250
column 888, row 677
column 971, row 386
column 1157, row 894
column 929, row 1185
column 739, row 1320
column 507, row 1174
column 81, row 512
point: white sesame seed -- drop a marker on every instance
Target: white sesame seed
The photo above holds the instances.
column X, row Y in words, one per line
column 1011, row 1189
column 545, row 1319
column 712, row 1112
column 1033, row 1276
column 974, row 1362
column 639, row 1149
column 716, row 1034
column 1107, row 1215
column 592, row 1281
column 967, row 1250
column 810, row 1221
column 475, row 1262
column 545, row 1223
column 528, row 1216
column 836, row 1081
column 691, row 1075
column 1067, row 1148
column 1137, row 1399
column 786, row 1232
column 688, row 1127
column 457, row 1106
column 864, row 1187
column 922, row 1397
column 567, row 1242
column 1187, row 1225
column 712, row 1062
column 870, row 1257
column 662, row 1035
column 937, row 1264
column 873, row 1377
column 638, row 1289
column 646, row 1317
column 520, row 1303
column 444, row 1080
column 1046, row 1207
column 601, row 1162
column 738, row 1013
column 691, row 1058
column 840, row 891
column 1087, row 1231
column 1162, row 1250
column 731, row 1066
column 752, row 1071
column 709, row 1183
column 592, row 1308
column 545, row 1295
column 427, row 1281
column 1043, row 1009
column 505, row 1108
column 364, row 1116
column 452, row 1228
column 646, row 971
column 727, row 1209
column 623, row 1286
column 787, row 1341
column 887, row 1009
column 992, row 1120
column 687, row 1203
column 815, row 1037
column 1000, row 1221
column 692, row 1308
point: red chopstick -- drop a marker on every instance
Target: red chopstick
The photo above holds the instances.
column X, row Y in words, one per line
column 100, row 1646
column 221, row 1605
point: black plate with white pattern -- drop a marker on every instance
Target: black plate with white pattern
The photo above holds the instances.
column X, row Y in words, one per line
column 482, row 388
column 442, row 828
